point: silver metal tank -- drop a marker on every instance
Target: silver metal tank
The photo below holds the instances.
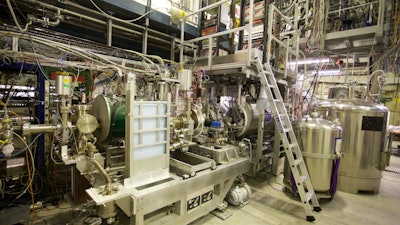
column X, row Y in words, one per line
column 319, row 140
column 364, row 127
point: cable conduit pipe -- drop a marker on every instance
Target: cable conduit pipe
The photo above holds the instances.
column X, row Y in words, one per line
column 65, row 11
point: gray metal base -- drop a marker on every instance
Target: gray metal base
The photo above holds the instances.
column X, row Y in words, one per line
column 223, row 215
column 175, row 200
column 356, row 185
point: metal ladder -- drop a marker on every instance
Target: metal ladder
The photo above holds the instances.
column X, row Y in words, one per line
column 292, row 149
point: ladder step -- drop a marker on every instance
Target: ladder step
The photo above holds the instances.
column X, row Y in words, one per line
column 277, row 100
column 282, row 115
column 285, row 130
column 297, row 162
column 309, row 195
column 266, row 74
column 302, row 179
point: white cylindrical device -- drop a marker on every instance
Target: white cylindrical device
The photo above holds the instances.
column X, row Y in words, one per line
column 63, row 85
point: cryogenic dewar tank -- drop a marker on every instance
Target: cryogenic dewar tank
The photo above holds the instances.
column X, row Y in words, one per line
column 364, row 127
column 319, row 140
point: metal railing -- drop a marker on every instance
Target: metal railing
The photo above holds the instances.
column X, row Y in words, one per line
column 366, row 8
column 184, row 43
column 291, row 45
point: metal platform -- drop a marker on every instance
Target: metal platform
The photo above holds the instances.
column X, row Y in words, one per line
column 228, row 64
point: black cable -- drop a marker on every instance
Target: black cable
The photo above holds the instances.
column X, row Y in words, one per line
column 315, row 87
column 308, row 91
column 5, row 97
column 16, row 6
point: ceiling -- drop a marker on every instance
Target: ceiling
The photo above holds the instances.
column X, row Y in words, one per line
column 82, row 20
column 354, row 44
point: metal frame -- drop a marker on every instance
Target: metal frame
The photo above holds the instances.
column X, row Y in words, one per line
column 381, row 12
column 141, row 203
column 151, row 169
column 273, row 12
column 210, row 37
column 40, row 108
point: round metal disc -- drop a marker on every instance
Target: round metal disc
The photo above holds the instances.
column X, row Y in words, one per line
column 87, row 124
column 101, row 110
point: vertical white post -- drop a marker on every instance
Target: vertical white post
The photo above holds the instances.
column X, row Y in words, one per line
column 270, row 27
column 380, row 23
column 129, row 144
column 109, row 31
column 210, row 43
column 182, row 44
column 250, row 32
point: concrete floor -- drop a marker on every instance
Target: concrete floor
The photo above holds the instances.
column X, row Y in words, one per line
column 272, row 206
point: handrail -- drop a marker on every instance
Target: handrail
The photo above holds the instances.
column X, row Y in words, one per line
column 290, row 49
column 353, row 7
column 287, row 19
column 380, row 10
column 217, row 34
column 210, row 37
column 206, row 8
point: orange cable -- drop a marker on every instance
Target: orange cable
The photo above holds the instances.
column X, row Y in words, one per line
column 18, row 116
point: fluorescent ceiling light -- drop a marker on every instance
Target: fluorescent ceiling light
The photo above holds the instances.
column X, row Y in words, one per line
column 309, row 61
